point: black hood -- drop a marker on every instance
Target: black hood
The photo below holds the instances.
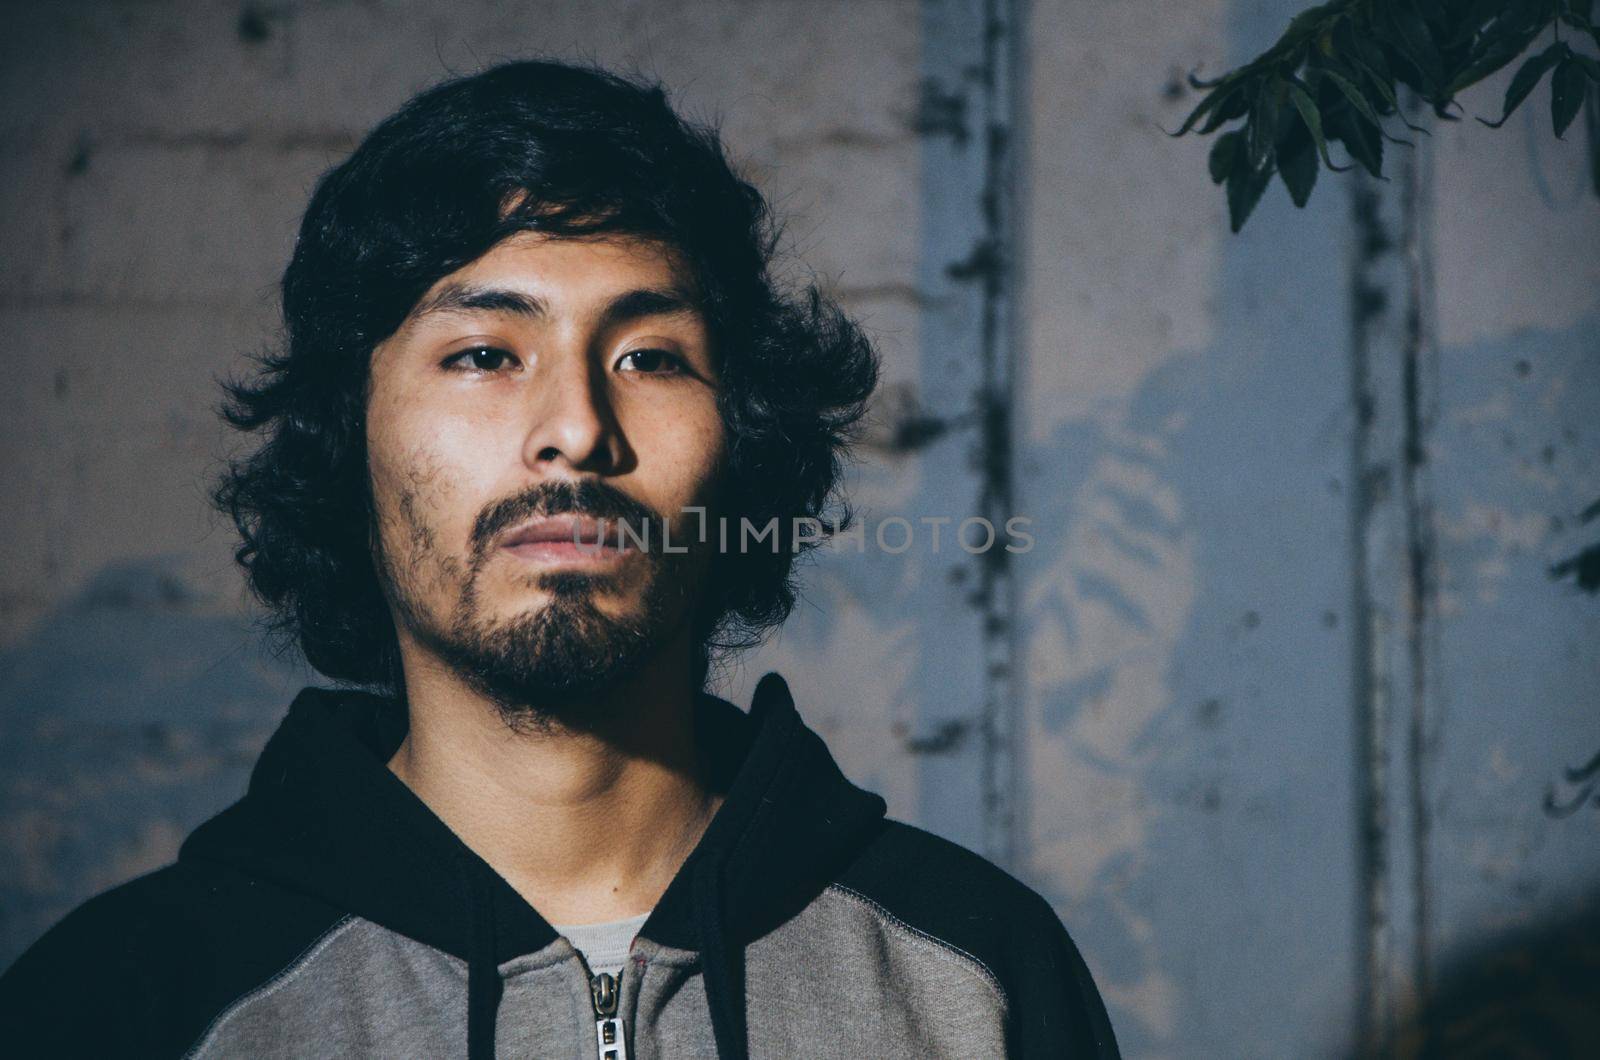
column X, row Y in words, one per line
column 324, row 816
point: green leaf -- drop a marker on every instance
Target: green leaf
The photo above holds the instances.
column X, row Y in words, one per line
column 1308, row 114
column 1222, row 104
column 1578, row 22
column 1566, row 94
column 1362, row 44
column 1361, row 141
column 1307, row 24
column 1583, row 22
column 1245, row 185
column 1591, row 118
column 1501, row 50
column 1362, row 105
column 1385, row 87
column 1409, row 36
column 1196, row 81
column 1477, row 15
column 1235, row 106
column 1223, row 155
column 1435, row 16
column 1298, row 168
column 1585, row 568
column 1213, row 100
column 1527, row 76
column 1263, row 123
column 1528, row 13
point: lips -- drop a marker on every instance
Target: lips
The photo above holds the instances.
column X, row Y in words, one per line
column 563, row 529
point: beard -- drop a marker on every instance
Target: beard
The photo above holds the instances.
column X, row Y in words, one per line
column 544, row 668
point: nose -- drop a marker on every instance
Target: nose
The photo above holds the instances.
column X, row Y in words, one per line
column 573, row 424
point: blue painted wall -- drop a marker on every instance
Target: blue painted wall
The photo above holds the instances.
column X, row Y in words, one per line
column 1170, row 716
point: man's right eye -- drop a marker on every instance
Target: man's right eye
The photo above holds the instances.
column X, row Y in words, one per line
column 479, row 358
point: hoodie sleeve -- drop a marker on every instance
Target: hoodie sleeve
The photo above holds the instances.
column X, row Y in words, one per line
column 51, row 1003
column 967, row 904
column 1056, row 1010
column 93, row 985
column 143, row 969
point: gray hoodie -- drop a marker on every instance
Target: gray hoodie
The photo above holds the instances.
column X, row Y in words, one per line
column 330, row 913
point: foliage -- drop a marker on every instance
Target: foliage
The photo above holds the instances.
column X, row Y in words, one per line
column 1335, row 76
column 1584, row 567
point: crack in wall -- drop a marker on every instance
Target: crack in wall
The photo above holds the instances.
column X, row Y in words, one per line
column 1370, row 702
column 1393, row 388
column 966, row 116
column 994, row 593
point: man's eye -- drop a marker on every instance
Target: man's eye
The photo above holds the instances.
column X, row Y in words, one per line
column 652, row 361
column 479, row 358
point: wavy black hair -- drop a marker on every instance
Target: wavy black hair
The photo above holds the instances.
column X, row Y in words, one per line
column 568, row 151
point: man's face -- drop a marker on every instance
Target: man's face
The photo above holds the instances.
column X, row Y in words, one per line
column 549, row 381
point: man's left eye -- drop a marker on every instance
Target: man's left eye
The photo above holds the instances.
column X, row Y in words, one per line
column 652, row 361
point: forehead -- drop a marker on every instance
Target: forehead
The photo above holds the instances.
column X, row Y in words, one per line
column 563, row 273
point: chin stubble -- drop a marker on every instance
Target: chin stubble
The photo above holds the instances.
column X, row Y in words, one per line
column 544, row 668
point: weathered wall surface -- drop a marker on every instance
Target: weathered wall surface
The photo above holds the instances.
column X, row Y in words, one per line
column 1271, row 710
column 1283, row 785
column 156, row 160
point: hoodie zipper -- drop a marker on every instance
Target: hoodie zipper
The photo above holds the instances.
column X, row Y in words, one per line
column 611, row 1040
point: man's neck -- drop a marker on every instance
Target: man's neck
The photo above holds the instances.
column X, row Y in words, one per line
column 588, row 825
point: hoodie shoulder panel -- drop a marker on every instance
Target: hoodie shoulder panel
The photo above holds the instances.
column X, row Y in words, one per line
column 977, row 910
column 144, row 968
column 889, row 988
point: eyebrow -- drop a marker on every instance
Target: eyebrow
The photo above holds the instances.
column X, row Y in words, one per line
column 624, row 308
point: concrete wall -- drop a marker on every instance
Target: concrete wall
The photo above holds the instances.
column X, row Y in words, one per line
column 1278, row 787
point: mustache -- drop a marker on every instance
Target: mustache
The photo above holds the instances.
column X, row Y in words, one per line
column 586, row 497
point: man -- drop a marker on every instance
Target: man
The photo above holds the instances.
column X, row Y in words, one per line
column 536, row 364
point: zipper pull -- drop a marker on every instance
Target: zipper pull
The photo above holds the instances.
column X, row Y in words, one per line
column 608, row 1033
